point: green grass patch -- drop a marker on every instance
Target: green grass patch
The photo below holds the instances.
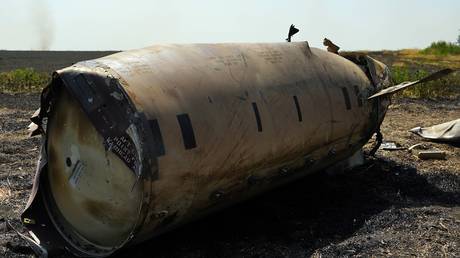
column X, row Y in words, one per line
column 445, row 88
column 23, row 80
column 442, row 48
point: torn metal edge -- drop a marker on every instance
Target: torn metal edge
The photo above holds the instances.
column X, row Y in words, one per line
column 36, row 217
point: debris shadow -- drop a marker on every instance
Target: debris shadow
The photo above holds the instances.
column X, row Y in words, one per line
column 311, row 213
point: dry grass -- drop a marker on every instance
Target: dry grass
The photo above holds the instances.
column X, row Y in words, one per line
column 411, row 64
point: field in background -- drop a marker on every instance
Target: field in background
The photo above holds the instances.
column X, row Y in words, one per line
column 413, row 64
column 29, row 71
column 45, row 61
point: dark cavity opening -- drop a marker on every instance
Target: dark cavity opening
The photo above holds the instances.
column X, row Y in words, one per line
column 159, row 148
column 256, row 113
column 187, row 131
column 68, row 162
column 346, row 96
column 297, row 106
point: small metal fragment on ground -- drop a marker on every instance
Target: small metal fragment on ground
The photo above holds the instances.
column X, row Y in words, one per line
column 415, row 146
column 431, row 154
column 446, row 132
column 424, row 151
column 391, row 145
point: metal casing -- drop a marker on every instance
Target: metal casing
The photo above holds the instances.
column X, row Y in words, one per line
column 207, row 125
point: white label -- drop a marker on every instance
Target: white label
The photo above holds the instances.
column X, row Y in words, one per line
column 77, row 171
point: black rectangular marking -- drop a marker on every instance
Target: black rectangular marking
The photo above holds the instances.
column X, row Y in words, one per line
column 358, row 96
column 346, row 96
column 159, row 148
column 256, row 113
column 187, row 131
column 297, row 106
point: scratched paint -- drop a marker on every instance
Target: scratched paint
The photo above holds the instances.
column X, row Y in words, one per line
column 128, row 190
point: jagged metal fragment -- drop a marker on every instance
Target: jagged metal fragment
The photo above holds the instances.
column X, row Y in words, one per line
column 445, row 132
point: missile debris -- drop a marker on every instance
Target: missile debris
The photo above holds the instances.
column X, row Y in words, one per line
column 331, row 47
column 140, row 142
column 431, row 154
column 424, row 152
column 445, row 132
column 391, row 146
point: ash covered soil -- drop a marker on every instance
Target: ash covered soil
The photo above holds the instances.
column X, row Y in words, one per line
column 393, row 205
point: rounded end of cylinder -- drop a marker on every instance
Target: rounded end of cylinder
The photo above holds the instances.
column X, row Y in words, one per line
column 92, row 196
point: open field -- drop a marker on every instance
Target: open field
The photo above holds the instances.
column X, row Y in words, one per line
column 30, row 71
column 45, row 61
column 394, row 205
column 411, row 64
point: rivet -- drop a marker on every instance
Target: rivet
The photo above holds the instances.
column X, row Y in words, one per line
column 161, row 214
column 309, row 161
column 332, row 152
column 284, row 171
column 216, row 195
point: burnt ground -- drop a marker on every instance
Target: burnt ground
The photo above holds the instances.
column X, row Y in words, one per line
column 393, row 205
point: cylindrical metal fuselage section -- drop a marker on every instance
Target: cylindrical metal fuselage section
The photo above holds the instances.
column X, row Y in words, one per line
column 141, row 141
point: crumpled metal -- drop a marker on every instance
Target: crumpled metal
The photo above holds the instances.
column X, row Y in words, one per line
column 446, row 132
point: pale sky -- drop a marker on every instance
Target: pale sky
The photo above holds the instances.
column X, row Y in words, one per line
column 122, row 24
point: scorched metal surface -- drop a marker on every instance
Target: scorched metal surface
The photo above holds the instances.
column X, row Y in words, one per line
column 141, row 141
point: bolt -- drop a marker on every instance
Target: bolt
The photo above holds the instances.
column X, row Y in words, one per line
column 284, row 171
column 216, row 195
